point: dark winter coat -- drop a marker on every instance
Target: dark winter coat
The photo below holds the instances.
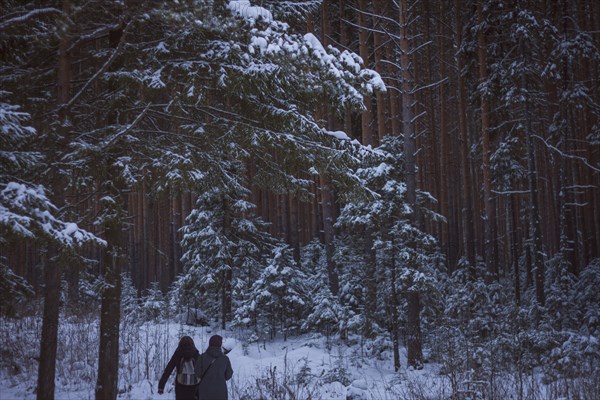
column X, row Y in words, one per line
column 213, row 386
column 182, row 392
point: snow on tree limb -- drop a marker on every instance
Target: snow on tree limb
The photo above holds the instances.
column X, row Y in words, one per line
column 29, row 15
column 563, row 154
column 98, row 73
column 26, row 211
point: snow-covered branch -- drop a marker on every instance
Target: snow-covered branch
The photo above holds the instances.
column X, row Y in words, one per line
column 98, row 73
column 124, row 131
column 29, row 15
column 26, row 211
column 563, row 154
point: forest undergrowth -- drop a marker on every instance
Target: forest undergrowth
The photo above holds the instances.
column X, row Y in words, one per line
column 462, row 362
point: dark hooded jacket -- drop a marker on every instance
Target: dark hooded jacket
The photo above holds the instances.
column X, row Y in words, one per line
column 183, row 351
column 213, row 374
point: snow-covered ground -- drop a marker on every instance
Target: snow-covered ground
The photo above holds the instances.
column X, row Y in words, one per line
column 305, row 367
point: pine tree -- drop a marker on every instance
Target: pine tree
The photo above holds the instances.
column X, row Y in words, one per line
column 406, row 255
column 276, row 302
column 225, row 249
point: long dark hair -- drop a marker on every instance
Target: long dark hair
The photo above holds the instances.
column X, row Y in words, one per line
column 186, row 341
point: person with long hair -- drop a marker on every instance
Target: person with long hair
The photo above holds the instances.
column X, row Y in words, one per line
column 184, row 360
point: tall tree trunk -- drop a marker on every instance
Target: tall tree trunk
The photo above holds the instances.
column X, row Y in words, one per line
column 379, row 52
column 294, row 237
column 110, row 312
column 327, row 205
column 364, row 50
column 49, row 340
column 394, row 328
column 413, row 328
column 534, row 219
column 567, row 220
column 512, row 212
column 444, row 188
column 52, row 267
column 370, row 285
column 490, row 210
column 345, row 42
column 226, row 300
column 467, row 214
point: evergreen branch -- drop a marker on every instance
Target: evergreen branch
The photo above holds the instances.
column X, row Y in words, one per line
column 98, row 73
column 126, row 130
column 98, row 33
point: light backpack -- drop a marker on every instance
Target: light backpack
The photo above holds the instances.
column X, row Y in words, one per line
column 187, row 374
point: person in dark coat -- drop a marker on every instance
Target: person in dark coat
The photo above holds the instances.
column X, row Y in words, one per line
column 214, row 369
column 185, row 350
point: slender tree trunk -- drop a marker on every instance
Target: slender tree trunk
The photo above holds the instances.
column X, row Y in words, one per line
column 490, row 210
column 442, row 168
column 379, row 52
column 344, row 41
column 328, row 221
column 534, row 224
column 293, row 228
column 370, row 308
column 49, row 341
column 534, row 219
column 511, row 210
column 364, row 50
column 467, row 211
column 226, row 300
column 52, row 267
column 394, row 314
column 413, row 328
column 110, row 313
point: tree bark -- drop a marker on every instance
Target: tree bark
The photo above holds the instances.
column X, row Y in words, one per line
column 490, row 210
column 364, row 50
column 49, row 340
column 467, row 211
column 381, row 68
column 110, row 315
column 413, row 328
column 328, row 221
column 394, row 328
column 52, row 267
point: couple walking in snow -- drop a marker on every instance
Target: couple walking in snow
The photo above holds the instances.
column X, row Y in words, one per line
column 199, row 376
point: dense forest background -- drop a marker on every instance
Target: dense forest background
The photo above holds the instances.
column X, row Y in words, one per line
column 440, row 161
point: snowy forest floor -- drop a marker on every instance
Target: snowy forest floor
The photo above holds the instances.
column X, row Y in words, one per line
column 302, row 367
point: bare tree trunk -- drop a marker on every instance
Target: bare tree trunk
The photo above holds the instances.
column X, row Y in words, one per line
column 226, row 300
column 442, row 168
column 293, row 227
column 364, row 50
column 467, row 214
column 534, row 224
column 49, row 340
column 511, row 210
column 534, row 219
column 413, row 328
column 394, row 328
column 328, row 221
column 110, row 316
column 52, row 267
column 344, row 41
column 370, row 284
column 378, row 42
column 490, row 210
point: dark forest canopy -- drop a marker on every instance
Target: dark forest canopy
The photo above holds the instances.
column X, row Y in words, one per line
column 412, row 160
